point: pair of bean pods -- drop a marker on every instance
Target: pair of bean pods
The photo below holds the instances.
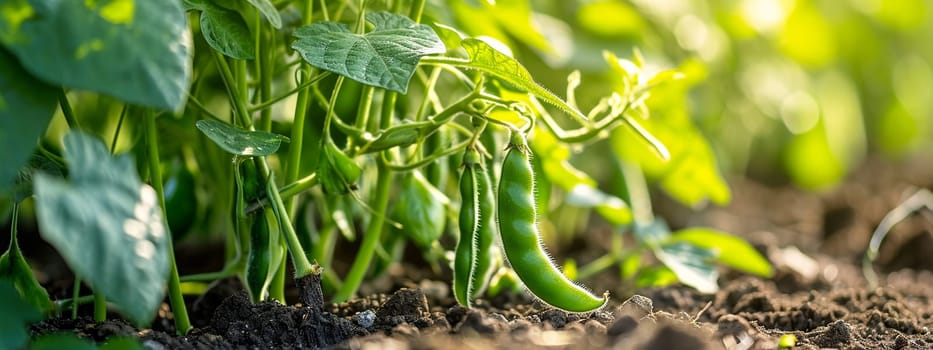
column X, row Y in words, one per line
column 511, row 213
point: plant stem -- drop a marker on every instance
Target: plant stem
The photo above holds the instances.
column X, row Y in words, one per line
column 67, row 111
column 417, row 8
column 637, row 189
column 302, row 265
column 100, row 306
column 595, row 266
column 370, row 237
column 116, row 133
column 73, row 303
column 75, row 291
column 293, row 164
column 303, row 86
column 176, row 299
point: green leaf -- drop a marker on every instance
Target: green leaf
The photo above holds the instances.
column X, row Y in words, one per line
column 730, row 250
column 386, row 57
column 239, row 141
column 488, row 60
column 62, row 341
column 26, row 107
column 651, row 234
column 224, row 30
column 656, row 276
column 17, row 315
column 691, row 264
column 135, row 50
column 107, row 225
column 14, row 268
column 580, row 187
column 268, row 11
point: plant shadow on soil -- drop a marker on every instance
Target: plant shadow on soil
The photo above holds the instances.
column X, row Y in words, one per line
column 818, row 293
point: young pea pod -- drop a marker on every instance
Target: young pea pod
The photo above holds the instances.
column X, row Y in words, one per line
column 337, row 172
column 265, row 254
column 521, row 238
column 473, row 258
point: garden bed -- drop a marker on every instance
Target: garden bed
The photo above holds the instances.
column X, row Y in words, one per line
column 818, row 293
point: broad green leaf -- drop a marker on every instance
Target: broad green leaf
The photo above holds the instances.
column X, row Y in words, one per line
column 107, row 225
column 488, row 60
column 692, row 265
column 57, row 341
column 224, row 30
column 17, row 315
column 14, row 268
column 239, row 141
column 386, row 57
column 135, row 50
column 730, row 250
column 268, row 11
column 26, row 107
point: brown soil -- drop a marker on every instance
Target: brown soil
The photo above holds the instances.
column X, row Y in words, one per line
column 818, row 294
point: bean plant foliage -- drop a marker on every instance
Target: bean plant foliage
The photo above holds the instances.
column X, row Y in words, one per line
column 285, row 127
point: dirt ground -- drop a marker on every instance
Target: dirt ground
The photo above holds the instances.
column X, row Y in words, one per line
column 818, row 294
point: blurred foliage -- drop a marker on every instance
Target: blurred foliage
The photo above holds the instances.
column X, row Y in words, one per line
column 798, row 90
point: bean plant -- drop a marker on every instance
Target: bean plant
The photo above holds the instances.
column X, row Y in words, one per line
column 287, row 127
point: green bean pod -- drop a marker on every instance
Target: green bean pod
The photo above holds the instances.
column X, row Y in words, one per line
column 473, row 260
column 521, row 238
column 265, row 254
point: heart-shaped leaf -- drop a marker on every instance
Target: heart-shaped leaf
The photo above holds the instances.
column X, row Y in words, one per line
column 107, row 225
column 224, row 29
column 239, row 141
column 385, row 57
column 26, row 107
column 135, row 50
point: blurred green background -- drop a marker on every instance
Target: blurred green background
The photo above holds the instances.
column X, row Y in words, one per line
column 780, row 90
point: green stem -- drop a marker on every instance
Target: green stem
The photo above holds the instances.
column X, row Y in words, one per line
column 67, row 111
column 430, row 159
column 287, row 191
column 176, row 299
column 239, row 104
column 637, row 189
column 209, row 276
column 330, row 115
column 73, row 303
column 595, row 266
column 370, row 237
column 265, row 104
column 300, row 260
column 100, row 306
column 116, row 133
column 75, row 291
column 417, row 8
column 293, row 164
